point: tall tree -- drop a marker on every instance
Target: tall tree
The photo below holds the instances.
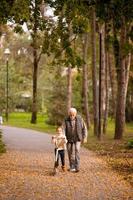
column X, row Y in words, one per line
column 57, row 99
column 69, row 88
column 36, row 10
column 32, row 13
column 69, row 71
column 85, row 105
column 105, row 117
column 120, row 111
column 94, row 72
column 69, row 25
column 113, row 83
column 125, row 21
column 101, row 78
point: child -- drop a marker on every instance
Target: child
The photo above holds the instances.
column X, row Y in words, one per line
column 60, row 145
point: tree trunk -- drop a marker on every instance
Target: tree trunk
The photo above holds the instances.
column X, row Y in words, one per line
column 94, row 73
column 113, row 84
column 85, row 81
column 34, row 100
column 121, row 100
column 128, row 95
column 101, row 79
column 69, row 75
column 128, row 64
column 100, row 113
column 35, row 69
column 69, row 88
column 107, row 53
column 116, row 47
column 106, row 94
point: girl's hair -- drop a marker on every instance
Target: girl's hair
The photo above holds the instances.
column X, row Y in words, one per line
column 58, row 127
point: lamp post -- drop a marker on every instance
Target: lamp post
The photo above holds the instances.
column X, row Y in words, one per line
column 7, row 53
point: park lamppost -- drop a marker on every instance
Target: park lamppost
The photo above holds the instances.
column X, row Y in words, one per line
column 7, row 53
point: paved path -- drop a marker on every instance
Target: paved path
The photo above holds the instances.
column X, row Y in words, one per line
column 26, row 172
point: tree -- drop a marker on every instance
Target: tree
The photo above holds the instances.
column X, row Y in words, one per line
column 105, row 117
column 57, row 99
column 67, row 30
column 129, row 102
column 85, row 80
column 116, row 11
column 94, row 72
column 101, row 78
column 31, row 12
column 5, row 11
column 121, row 97
column 36, row 16
column 125, row 24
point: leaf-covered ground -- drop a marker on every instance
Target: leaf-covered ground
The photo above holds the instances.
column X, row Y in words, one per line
column 116, row 153
column 26, row 173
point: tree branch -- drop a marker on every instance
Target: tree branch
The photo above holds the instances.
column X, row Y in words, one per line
column 66, row 46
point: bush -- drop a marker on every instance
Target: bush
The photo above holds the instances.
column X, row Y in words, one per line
column 2, row 145
column 130, row 144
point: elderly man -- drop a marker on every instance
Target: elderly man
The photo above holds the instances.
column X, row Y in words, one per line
column 76, row 133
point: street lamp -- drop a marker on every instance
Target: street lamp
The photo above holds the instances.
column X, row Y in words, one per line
column 7, row 53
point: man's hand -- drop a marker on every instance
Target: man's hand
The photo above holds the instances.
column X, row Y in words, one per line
column 84, row 140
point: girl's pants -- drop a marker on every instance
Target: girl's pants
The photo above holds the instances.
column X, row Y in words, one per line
column 61, row 154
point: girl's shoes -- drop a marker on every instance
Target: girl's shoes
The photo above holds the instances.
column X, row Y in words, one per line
column 56, row 170
column 63, row 168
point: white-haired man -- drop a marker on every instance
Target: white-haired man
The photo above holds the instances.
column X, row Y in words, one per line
column 76, row 133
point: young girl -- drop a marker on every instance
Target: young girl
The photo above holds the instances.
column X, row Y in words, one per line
column 59, row 140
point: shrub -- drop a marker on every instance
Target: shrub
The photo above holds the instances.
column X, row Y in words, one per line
column 2, row 145
column 130, row 144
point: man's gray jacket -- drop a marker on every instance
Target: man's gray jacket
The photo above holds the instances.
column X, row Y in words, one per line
column 80, row 127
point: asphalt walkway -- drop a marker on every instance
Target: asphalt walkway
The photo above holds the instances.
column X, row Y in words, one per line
column 26, row 172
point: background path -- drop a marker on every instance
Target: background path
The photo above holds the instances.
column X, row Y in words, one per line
column 26, row 172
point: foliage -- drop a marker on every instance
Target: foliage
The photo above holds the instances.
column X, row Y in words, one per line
column 5, row 10
column 60, row 40
column 19, row 71
column 57, row 101
column 70, row 24
column 21, row 11
column 76, row 98
column 130, row 144
column 2, row 145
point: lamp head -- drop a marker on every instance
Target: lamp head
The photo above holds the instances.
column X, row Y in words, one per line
column 7, row 52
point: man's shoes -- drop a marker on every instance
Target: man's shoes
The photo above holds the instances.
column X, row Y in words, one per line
column 72, row 170
column 76, row 170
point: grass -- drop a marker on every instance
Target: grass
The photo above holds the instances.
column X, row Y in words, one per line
column 23, row 120
column 2, row 146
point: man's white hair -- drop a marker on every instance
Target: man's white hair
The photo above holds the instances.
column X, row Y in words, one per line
column 72, row 110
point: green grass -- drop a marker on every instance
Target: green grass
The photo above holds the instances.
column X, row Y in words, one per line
column 2, row 146
column 107, row 143
column 111, row 130
column 23, row 120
